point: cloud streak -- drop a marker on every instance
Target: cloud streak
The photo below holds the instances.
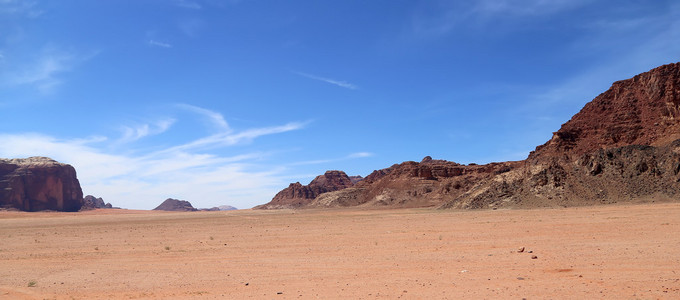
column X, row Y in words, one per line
column 131, row 134
column 159, row 44
column 340, row 83
column 42, row 71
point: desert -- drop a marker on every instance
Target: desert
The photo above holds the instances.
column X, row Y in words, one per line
column 490, row 149
column 597, row 252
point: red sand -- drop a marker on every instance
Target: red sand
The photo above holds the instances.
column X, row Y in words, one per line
column 612, row 252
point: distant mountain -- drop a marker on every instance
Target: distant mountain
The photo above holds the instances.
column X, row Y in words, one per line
column 226, row 207
column 623, row 146
column 175, row 205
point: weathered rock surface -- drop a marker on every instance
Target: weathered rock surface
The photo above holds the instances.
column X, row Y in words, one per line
column 39, row 183
column 624, row 146
column 298, row 195
column 92, row 202
column 643, row 110
column 175, row 205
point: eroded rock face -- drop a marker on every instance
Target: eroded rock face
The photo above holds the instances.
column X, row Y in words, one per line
column 624, row 146
column 643, row 110
column 175, row 205
column 298, row 195
column 39, row 183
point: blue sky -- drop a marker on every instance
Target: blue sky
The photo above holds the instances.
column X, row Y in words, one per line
column 226, row 102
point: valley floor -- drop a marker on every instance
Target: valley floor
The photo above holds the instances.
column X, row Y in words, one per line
column 612, row 252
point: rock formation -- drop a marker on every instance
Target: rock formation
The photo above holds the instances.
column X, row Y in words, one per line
column 39, row 183
column 226, row 207
column 92, row 202
column 175, row 205
column 298, row 195
column 624, row 146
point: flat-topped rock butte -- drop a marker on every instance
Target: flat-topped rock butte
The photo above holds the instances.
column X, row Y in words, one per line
column 39, row 183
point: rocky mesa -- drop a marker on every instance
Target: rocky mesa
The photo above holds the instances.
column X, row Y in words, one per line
column 39, row 183
column 623, row 146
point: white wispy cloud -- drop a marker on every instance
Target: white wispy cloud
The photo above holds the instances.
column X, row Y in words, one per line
column 232, row 138
column 213, row 116
column 43, row 71
column 131, row 134
column 339, row 83
column 453, row 15
column 159, row 44
column 20, row 7
column 139, row 178
column 360, row 155
column 329, row 160
column 525, row 7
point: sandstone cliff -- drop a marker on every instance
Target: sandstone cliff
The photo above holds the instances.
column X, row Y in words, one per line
column 621, row 147
column 39, row 183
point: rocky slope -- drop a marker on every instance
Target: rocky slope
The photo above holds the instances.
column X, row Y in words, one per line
column 298, row 195
column 175, row 205
column 39, row 183
column 621, row 147
column 92, row 202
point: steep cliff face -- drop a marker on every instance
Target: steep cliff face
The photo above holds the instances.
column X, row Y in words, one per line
column 643, row 110
column 298, row 195
column 39, row 183
column 624, row 146
column 621, row 147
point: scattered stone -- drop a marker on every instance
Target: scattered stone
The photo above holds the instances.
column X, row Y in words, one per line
column 534, row 257
column 520, row 278
column 520, row 250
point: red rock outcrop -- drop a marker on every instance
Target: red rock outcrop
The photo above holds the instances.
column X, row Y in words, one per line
column 624, row 146
column 643, row 110
column 39, row 183
column 298, row 195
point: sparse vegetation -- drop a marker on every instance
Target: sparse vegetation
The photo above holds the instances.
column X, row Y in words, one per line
column 167, row 248
column 32, row 283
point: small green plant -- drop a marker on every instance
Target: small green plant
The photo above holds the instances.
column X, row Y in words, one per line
column 212, row 238
column 167, row 248
column 32, row 283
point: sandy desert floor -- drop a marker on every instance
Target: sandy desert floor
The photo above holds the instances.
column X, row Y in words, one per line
column 603, row 252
